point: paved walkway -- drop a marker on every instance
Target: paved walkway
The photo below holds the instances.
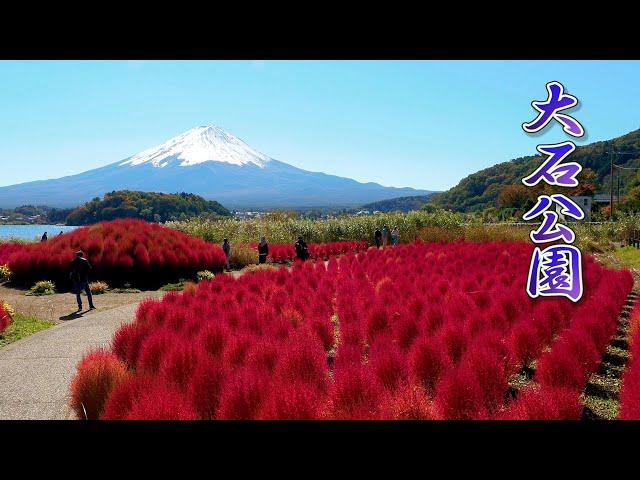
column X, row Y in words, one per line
column 35, row 372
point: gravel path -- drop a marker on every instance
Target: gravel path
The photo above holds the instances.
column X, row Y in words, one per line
column 35, row 372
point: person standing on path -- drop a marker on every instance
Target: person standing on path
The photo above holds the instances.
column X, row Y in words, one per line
column 80, row 268
column 44, row 237
column 385, row 234
column 395, row 236
column 378, row 237
column 263, row 250
column 226, row 248
column 302, row 251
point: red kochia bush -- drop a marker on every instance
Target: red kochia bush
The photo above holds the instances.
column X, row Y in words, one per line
column 8, row 249
column 161, row 402
column 143, row 254
column 5, row 319
column 427, row 360
column 630, row 390
column 407, row 402
column 460, row 396
column 97, row 374
column 285, row 252
column 545, row 403
column 413, row 332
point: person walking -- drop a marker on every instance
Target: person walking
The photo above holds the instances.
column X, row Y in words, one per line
column 302, row 251
column 395, row 236
column 385, row 235
column 263, row 250
column 44, row 237
column 80, row 268
column 226, row 248
column 378, row 237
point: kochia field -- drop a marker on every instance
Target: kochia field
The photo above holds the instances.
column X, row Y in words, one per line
column 420, row 331
column 121, row 251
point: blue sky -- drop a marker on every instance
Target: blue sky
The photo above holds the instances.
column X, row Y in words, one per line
column 424, row 124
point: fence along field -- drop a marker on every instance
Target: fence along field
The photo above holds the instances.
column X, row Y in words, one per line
column 421, row 331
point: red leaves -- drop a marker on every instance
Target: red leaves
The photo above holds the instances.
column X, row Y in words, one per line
column 9, row 249
column 97, row 374
column 5, row 319
column 427, row 359
column 120, row 251
column 546, row 403
column 421, row 331
column 630, row 390
column 285, row 252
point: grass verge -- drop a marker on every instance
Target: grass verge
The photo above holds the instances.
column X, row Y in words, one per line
column 21, row 327
column 628, row 256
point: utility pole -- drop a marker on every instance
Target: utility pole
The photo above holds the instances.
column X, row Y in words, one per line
column 611, row 187
column 618, row 194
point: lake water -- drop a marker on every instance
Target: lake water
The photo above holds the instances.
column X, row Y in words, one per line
column 31, row 232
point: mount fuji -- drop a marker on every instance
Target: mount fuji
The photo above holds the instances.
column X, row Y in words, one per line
column 210, row 162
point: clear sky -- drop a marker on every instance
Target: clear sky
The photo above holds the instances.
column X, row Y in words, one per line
column 423, row 124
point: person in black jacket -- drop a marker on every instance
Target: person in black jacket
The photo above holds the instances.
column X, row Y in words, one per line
column 263, row 250
column 44, row 237
column 226, row 248
column 80, row 268
column 302, row 251
column 378, row 237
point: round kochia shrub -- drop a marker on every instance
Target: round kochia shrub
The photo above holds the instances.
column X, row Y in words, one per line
column 5, row 317
column 98, row 373
column 122, row 251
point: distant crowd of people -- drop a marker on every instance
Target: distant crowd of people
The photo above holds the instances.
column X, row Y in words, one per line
column 381, row 236
column 302, row 250
column 80, row 266
column 45, row 236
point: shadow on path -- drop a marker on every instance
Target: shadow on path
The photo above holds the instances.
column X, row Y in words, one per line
column 72, row 316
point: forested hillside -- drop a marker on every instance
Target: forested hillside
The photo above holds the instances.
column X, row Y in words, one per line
column 400, row 204
column 482, row 189
column 153, row 207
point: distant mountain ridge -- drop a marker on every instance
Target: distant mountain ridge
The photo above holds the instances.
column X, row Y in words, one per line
column 212, row 163
column 481, row 189
column 400, row 204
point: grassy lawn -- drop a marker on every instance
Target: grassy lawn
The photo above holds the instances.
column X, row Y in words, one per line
column 22, row 326
column 628, row 256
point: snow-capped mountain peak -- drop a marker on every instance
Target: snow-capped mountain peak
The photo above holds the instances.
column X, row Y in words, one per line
column 199, row 145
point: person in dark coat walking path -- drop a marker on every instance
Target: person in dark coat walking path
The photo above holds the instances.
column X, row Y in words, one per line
column 263, row 250
column 302, row 251
column 44, row 237
column 226, row 248
column 80, row 268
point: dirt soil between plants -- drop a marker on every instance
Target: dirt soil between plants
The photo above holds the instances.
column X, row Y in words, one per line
column 62, row 307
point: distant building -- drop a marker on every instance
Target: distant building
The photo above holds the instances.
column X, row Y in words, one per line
column 604, row 198
column 584, row 202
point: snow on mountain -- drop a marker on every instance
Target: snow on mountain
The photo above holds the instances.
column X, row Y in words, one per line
column 220, row 167
column 199, row 145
